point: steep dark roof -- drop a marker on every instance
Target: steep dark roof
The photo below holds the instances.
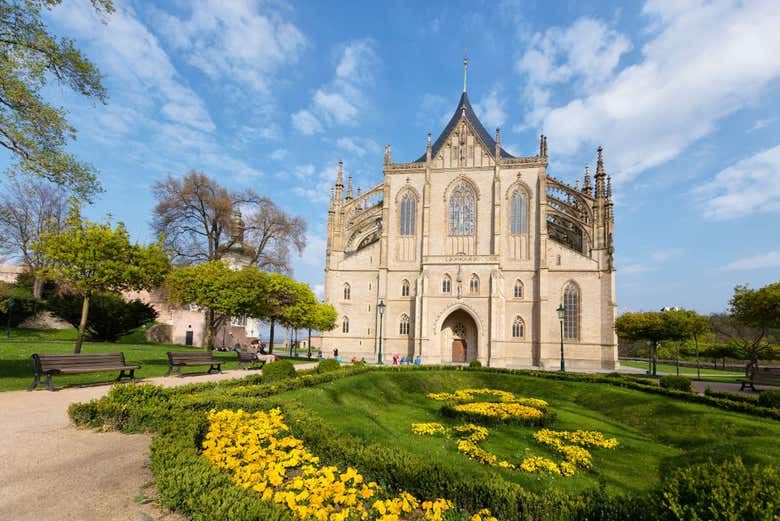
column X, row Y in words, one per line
column 471, row 116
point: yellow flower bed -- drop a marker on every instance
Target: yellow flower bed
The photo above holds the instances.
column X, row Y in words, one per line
column 502, row 411
column 261, row 454
column 470, row 395
column 428, row 429
column 483, row 515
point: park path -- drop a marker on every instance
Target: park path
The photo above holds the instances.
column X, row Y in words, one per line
column 51, row 470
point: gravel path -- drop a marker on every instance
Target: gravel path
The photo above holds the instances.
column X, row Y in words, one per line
column 51, row 470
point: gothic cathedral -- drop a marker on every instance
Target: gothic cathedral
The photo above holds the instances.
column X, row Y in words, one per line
column 473, row 252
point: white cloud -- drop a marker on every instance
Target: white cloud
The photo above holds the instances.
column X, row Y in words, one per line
column 435, row 111
column 319, row 291
column 340, row 101
column 314, row 253
column 749, row 186
column 665, row 255
column 706, row 61
column 306, row 122
column 491, row 109
column 633, row 269
column 358, row 146
column 759, row 124
column 278, row 154
column 240, row 40
column 770, row 259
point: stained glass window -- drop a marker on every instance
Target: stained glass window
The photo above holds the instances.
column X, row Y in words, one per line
column 571, row 317
column 518, row 328
column 519, row 212
column 408, row 204
column 462, row 211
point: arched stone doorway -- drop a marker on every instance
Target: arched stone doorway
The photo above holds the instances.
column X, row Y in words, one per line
column 459, row 338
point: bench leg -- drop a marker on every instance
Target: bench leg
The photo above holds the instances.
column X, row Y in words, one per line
column 132, row 375
column 178, row 370
column 170, row 369
column 49, row 385
column 36, row 382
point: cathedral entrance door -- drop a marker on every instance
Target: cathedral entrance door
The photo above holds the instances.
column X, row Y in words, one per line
column 458, row 350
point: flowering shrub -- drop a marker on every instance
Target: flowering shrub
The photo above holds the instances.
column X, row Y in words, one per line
column 501, row 411
column 469, row 395
column 483, row 515
column 261, row 454
column 429, row 429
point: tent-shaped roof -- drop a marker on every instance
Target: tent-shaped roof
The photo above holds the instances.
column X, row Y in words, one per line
column 471, row 116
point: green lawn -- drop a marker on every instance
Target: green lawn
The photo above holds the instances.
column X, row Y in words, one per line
column 16, row 366
column 708, row 373
column 655, row 432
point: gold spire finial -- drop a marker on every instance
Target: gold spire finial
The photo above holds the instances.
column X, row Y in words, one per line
column 465, row 68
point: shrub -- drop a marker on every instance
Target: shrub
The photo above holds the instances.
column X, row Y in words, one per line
column 359, row 363
column 769, row 399
column 726, row 491
column 676, row 383
column 25, row 305
column 109, row 317
column 328, row 365
column 278, row 370
column 475, row 364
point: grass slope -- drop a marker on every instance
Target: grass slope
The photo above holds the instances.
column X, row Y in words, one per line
column 655, row 432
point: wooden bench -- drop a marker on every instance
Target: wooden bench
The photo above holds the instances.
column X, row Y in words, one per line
column 49, row 365
column 179, row 360
column 247, row 358
column 762, row 376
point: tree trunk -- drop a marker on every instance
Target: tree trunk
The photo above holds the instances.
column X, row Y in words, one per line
column 38, row 287
column 698, row 364
column 271, row 339
column 308, row 345
column 210, row 330
column 82, row 323
column 655, row 356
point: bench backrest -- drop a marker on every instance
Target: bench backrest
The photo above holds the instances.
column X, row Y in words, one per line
column 45, row 362
column 246, row 356
column 203, row 356
column 766, row 374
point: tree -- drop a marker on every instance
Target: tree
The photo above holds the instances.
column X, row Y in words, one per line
column 696, row 326
column 654, row 327
column 322, row 318
column 27, row 210
column 752, row 324
column 110, row 316
column 92, row 258
column 269, row 234
column 35, row 132
column 194, row 214
column 281, row 293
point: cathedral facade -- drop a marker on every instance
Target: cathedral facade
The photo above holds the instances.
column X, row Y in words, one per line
column 472, row 252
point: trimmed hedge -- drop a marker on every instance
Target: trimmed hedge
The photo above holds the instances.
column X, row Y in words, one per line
column 475, row 364
column 278, row 370
column 328, row 365
column 677, row 383
column 769, row 399
column 188, row 483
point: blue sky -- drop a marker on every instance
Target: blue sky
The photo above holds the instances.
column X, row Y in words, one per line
column 270, row 95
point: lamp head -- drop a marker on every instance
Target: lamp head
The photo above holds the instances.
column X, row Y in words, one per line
column 561, row 310
column 381, row 307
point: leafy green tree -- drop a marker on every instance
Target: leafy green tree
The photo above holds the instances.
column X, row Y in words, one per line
column 654, row 327
column 33, row 131
column 322, row 318
column 110, row 315
column 90, row 258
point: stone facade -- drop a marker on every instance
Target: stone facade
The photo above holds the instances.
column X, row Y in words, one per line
column 472, row 250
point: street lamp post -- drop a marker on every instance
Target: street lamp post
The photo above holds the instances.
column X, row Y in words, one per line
column 381, row 308
column 561, row 313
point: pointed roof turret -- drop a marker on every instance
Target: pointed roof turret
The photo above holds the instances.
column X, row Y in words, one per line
column 586, row 183
column 349, row 189
column 464, row 109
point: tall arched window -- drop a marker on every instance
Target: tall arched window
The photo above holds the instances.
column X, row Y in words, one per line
column 519, row 212
column 571, row 317
column 346, row 291
column 518, row 328
column 345, row 325
column 446, row 284
column 462, row 211
column 403, row 327
column 518, row 289
column 408, row 204
column 474, row 285
column 405, row 288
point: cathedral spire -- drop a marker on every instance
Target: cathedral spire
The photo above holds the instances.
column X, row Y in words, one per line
column 428, row 151
column 349, row 189
column 586, row 182
column 339, row 188
column 340, row 176
column 465, row 69
column 600, row 175
column 542, row 145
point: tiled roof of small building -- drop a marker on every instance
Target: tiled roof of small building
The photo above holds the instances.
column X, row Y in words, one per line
column 471, row 116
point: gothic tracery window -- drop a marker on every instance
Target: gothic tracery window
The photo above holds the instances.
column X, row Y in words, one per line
column 571, row 317
column 403, row 328
column 405, row 288
column 345, row 325
column 474, row 285
column 518, row 212
column 518, row 293
column 347, row 291
column 518, row 328
column 446, row 284
column 408, row 206
column 462, row 211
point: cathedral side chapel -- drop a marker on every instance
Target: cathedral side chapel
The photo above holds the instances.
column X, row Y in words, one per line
column 472, row 251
